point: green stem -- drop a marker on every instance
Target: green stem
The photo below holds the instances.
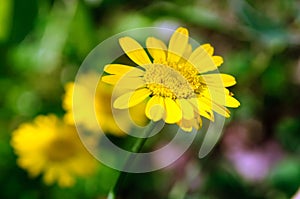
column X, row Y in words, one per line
column 136, row 148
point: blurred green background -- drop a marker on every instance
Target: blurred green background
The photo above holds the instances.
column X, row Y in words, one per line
column 43, row 44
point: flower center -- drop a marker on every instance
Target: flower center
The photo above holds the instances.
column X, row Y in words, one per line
column 60, row 149
column 167, row 82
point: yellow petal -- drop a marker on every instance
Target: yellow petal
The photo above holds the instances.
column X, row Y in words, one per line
column 177, row 44
column 120, row 69
column 134, row 51
column 131, row 99
column 215, row 95
column 186, row 125
column 130, row 83
column 187, row 53
column 232, row 102
column 173, row 112
column 65, row 180
column 187, row 109
column 222, row 98
column 157, row 49
column 211, row 90
column 186, row 129
column 228, row 80
column 204, row 109
column 50, row 175
column 216, row 107
column 208, row 48
column 198, row 123
column 122, row 81
column 219, row 80
column 201, row 60
column 155, row 108
column 111, row 79
column 218, row 60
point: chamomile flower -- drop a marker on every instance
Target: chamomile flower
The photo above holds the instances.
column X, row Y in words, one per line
column 52, row 148
column 179, row 84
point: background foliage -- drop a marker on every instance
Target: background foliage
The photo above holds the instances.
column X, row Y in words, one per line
column 44, row 42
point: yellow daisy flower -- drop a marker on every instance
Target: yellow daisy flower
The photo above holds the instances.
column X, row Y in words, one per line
column 102, row 99
column 174, row 81
column 53, row 148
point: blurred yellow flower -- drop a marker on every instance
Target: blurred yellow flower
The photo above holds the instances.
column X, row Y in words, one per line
column 102, row 99
column 52, row 148
column 176, row 83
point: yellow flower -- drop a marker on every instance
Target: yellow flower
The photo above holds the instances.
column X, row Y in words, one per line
column 174, row 81
column 53, row 148
column 103, row 111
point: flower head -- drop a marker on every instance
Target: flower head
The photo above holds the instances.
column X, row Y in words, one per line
column 53, row 148
column 178, row 83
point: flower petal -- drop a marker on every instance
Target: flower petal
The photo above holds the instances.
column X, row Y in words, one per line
column 186, row 125
column 223, row 98
column 215, row 107
column 111, row 79
column 232, row 102
column 187, row 109
column 198, row 122
column 120, row 69
column 228, row 80
column 50, row 175
column 187, row 53
column 204, row 109
column 129, row 80
column 219, row 80
column 218, row 60
column 134, row 51
column 173, row 112
column 157, row 49
column 201, row 60
column 130, row 83
column 177, row 44
column 131, row 99
column 155, row 108
column 208, row 48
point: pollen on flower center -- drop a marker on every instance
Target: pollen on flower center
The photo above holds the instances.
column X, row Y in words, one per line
column 167, row 82
column 60, row 149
